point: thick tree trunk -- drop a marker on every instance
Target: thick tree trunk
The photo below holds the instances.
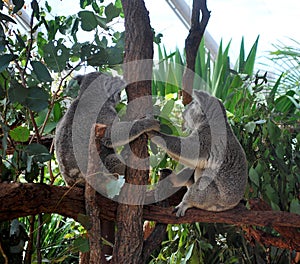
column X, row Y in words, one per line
column 138, row 46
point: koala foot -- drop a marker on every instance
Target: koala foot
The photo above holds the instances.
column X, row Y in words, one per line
column 181, row 208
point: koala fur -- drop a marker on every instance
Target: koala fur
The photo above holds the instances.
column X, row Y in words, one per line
column 216, row 173
column 125, row 131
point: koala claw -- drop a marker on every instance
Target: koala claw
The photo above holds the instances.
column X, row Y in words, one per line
column 180, row 209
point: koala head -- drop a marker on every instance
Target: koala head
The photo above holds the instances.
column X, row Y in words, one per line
column 110, row 86
column 203, row 107
column 193, row 115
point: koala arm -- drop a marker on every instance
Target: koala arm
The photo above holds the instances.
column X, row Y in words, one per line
column 187, row 150
column 183, row 178
column 121, row 133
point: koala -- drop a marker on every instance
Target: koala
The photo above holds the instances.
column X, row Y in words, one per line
column 216, row 165
column 125, row 131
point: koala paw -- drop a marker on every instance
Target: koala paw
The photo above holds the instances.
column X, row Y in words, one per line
column 181, row 208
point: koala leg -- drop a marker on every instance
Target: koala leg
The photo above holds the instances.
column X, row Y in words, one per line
column 183, row 178
column 203, row 194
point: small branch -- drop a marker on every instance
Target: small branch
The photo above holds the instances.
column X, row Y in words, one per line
column 288, row 237
column 266, row 239
column 29, row 47
column 22, row 74
column 191, row 46
column 29, row 249
column 54, row 96
column 91, row 207
column 157, row 235
column 3, row 254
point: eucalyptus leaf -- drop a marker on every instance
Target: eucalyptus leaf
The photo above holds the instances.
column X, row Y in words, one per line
column 56, row 55
column 88, row 20
column 50, row 126
column 41, row 71
column 111, row 11
column 57, row 112
column 17, row 93
column 100, row 58
column 85, row 3
column 274, row 132
column 101, row 22
column 168, row 108
column 20, row 40
column 254, row 177
column 35, row 8
column 37, row 99
column 38, row 152
column 20, row 134
column 18, row 5
column 115, row 55
column 6, row 18
column 32, row 173
column 5, row 59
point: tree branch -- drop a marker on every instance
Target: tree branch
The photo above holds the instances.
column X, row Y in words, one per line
column 191, row 46
column 19, row 200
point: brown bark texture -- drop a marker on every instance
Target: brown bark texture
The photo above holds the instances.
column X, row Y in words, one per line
column 138, row 46
column 19, row 200
column 191, row 46
column 91, row 207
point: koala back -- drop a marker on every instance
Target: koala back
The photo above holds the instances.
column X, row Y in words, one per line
column 220, row 182
column 110, row 88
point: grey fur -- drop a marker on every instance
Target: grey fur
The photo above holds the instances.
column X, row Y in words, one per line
column 126, row 131
column 216, row 173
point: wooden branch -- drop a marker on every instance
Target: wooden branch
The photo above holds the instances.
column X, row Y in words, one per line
column 191, row 46
column 91, row 206
column 19, row 200
column 158, row 234
column 290, row 237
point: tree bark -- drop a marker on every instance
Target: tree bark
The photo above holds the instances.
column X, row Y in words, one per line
column 138, row 46
column 19, row 200
column 191, row 46
column 92, row 208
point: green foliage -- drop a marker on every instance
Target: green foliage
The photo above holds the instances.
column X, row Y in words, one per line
column 36, row 65
column 287, row 61
column 34, row 72
column 63, row 239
